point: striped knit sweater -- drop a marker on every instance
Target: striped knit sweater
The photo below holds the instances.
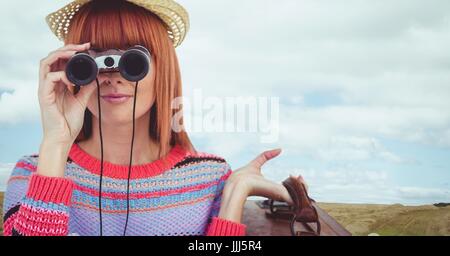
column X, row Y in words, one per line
column 178, row 194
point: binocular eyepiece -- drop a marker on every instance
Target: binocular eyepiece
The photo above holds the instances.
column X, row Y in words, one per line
column 84, row 67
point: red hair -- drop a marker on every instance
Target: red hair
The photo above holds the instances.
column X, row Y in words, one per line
column 120, row 25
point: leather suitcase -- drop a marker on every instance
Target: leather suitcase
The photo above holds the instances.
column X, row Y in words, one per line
column 261, row 221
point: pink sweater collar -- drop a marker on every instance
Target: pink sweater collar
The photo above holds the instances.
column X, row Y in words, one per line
column 157, row 167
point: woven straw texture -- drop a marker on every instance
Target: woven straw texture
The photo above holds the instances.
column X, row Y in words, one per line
column 173, row 14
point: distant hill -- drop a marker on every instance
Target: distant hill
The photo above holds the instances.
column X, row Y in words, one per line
column 442, row 204
column 364, row 219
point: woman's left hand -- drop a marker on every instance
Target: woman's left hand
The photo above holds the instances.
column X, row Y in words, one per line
column 249, row 181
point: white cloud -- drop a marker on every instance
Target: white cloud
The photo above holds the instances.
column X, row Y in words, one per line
column 386, row 62
column 27, row 40
column 427, row 194
column 320, row 128
column 355, row 185
column 19, row 105
column 355, row 148
column 5, row 172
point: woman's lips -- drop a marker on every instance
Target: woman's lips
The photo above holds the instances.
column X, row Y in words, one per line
column 116, row 98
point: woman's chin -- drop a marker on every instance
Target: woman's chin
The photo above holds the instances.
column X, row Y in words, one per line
column 117, row 119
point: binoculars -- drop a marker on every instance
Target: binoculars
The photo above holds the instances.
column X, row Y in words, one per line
column 84, row 67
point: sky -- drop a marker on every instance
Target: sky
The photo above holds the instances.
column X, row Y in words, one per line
column 363, row 89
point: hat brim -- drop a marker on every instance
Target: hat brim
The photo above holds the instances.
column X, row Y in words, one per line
column 174, row 16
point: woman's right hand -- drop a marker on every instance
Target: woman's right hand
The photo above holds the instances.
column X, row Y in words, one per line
column 62, row 111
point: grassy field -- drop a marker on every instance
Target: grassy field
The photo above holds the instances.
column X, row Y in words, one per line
column 361, row 219
column 364, row 219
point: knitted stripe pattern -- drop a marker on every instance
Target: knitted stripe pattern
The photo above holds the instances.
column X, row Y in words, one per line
column 179, row 194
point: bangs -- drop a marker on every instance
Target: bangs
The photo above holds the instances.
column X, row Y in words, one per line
column 115, row 25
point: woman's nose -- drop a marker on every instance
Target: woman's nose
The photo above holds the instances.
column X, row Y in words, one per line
column 111, row 78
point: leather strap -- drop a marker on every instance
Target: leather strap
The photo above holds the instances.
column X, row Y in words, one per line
column 304, row 211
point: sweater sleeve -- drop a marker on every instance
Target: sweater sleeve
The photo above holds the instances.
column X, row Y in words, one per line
column 36, row 205
column 218, row 226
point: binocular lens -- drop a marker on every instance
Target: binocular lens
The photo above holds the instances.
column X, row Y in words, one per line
column 134, row 65
column 81, row 70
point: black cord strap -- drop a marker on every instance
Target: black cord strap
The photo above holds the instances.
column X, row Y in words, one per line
column 101, row 158
column 131, row 159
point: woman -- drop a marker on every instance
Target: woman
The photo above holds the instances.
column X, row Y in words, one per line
column 171, row 190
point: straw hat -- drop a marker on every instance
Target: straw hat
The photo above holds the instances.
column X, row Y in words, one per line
column 173, row 14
